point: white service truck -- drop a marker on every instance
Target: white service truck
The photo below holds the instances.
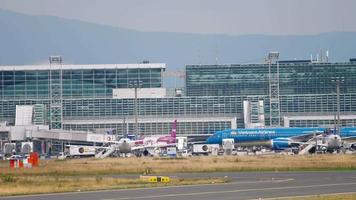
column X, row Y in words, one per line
column 228, row 145
column 77, row 151
column 182, row 143
column 172, row 151
column 205, row 149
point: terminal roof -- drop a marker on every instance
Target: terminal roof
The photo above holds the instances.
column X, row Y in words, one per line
column 86, row 66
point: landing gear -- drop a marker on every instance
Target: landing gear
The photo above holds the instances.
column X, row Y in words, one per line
column 146, row 153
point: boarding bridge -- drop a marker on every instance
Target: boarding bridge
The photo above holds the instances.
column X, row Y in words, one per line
column 22, row 133
column 23, row 115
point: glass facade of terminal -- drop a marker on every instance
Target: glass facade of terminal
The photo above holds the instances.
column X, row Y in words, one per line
column 215, row 95
column 253, row 79
column 101, row 109
column 77, row 83
column 322, row 123
column 182, row 106
column 305, row 88
column 155, row 128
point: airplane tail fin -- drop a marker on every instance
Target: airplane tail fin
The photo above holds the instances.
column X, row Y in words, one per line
column 174, row 129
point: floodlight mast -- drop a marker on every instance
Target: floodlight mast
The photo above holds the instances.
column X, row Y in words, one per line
column 136, row 84
column 338, row 81
column 55, row 90
column 273, row 72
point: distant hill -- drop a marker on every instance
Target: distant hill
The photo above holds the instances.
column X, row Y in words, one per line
column 27, row 39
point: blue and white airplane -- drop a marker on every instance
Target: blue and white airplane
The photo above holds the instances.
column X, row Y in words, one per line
column 281, row 138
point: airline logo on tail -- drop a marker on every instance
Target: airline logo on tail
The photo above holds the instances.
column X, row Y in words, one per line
column 174, row 129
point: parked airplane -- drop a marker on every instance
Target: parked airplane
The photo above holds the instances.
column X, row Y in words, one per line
column 282, row 138
column 159, row 139
column 125, row 145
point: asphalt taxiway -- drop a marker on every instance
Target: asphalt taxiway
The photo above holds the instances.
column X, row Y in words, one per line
column 246, row 185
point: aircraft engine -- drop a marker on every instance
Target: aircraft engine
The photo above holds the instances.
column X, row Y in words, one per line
column 124, row 145
column 280, row 143
column 333, row 142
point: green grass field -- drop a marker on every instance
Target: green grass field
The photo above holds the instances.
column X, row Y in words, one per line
column 93, row 174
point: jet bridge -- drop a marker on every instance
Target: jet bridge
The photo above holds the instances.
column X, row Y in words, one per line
column 22, row 133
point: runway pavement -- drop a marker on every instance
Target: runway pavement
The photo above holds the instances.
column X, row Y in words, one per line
column 247, row 185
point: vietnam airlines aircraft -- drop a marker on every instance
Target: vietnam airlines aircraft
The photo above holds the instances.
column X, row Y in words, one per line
column 282, row 138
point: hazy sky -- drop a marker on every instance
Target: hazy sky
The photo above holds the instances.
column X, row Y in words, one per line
column 234, row 17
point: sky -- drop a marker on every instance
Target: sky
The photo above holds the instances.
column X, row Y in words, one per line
column 233, row 17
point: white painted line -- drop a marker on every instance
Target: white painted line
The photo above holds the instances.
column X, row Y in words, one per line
column 233, row 191
column 148, row 188
column 303, row 196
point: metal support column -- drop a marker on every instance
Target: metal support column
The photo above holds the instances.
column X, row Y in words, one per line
column 55, row 90
column 338, row 105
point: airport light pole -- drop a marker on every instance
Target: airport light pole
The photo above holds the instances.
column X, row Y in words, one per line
column 273, row 82
column 124, row 129
column 135, row 84
column 338, row 81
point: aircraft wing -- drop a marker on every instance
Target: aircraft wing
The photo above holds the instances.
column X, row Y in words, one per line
column 197, row 142
column 296, row 143
column 194, row 141
column 304, row 137
column 349, row 139
column 349, row 142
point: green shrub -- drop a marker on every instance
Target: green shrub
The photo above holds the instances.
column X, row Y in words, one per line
column 98, row 179
column 8, row 178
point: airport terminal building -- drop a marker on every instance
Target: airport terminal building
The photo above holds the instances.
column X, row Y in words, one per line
column 98, row 98
column 101, row 97
column 305, row 92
